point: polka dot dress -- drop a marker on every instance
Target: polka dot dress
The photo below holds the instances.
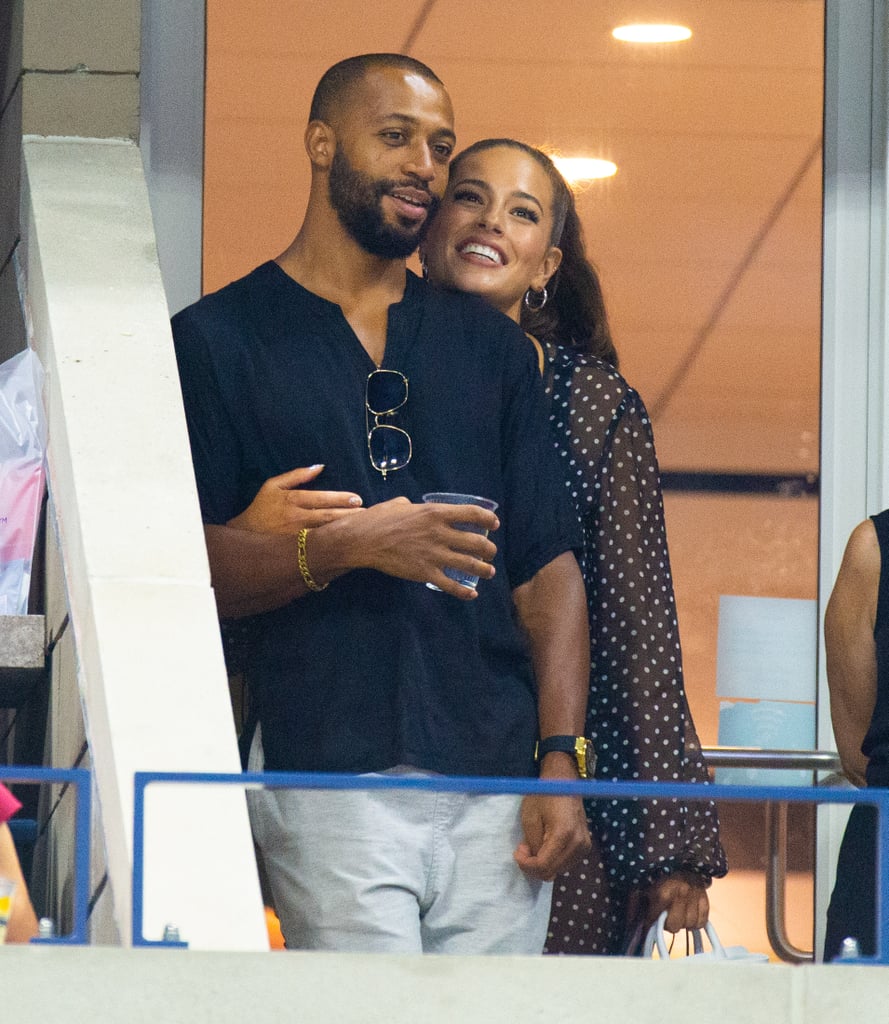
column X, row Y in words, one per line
column 637, row 715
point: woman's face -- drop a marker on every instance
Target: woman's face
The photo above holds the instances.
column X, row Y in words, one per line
column 491, row 236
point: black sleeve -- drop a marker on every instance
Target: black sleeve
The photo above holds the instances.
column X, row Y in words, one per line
column 539, row 519
column 215, row 448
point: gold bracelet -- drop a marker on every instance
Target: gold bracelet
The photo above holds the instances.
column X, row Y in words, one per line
column 308, row 579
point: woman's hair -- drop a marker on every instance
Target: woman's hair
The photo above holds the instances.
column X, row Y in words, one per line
column 575, row 310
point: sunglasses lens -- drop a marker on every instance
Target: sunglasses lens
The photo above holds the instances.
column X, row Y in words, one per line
column 386, row 391
column 390, row 448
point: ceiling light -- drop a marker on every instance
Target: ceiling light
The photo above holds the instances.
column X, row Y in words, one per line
column 583, row 168
column 652, row 33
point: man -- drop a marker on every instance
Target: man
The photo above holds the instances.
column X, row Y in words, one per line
column 334, row 352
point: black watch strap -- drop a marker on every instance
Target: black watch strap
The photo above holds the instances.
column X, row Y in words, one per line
column 579, row 747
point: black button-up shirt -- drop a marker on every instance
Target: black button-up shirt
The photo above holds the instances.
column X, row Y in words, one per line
column 378, row 671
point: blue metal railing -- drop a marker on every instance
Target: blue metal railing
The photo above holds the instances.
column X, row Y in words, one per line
column 80, row 778
column 596, row 790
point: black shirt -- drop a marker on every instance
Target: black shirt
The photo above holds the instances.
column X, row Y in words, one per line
column 378, row 671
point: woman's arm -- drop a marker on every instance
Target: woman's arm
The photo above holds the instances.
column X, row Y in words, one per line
column 638, row 714
column 851, row 650
column 283, row 505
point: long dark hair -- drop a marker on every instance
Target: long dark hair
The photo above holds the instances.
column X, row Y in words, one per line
column 575, row 312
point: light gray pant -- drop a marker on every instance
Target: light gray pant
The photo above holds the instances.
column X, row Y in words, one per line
column 397, row 871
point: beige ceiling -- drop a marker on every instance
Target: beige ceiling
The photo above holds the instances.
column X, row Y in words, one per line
column 708, row 238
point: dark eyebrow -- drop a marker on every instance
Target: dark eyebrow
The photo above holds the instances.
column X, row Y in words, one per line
column 406, row 119
column 530, row 198
column 480, row 183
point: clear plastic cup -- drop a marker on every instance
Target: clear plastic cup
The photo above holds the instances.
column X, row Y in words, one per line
column 465, row 579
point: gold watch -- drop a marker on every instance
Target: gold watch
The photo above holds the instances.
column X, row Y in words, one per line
column 579, row 747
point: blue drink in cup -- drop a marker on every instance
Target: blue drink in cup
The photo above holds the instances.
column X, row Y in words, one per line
column 448, row 498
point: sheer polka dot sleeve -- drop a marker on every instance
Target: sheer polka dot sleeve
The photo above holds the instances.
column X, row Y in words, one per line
column 638, row 716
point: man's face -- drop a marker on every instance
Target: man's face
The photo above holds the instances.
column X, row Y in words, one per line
column 390, row 166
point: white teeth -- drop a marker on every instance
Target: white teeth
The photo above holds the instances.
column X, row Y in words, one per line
column 483, row 250
column 407, row 199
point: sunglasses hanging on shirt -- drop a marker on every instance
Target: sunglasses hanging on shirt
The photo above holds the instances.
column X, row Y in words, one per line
column 389, row 447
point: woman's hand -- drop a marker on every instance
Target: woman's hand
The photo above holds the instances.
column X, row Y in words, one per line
column 683, row 894
column 281, row 507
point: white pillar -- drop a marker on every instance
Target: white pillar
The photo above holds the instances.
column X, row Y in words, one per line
column 149, row 659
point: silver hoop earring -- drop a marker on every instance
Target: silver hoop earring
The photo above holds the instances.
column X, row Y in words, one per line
column 539, row 299
column 424, row 270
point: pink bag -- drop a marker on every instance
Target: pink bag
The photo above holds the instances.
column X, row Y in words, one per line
column 22, row 475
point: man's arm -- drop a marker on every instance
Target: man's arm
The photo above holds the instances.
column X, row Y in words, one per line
column 256, row 572
column 553, row 612
column 851, row 651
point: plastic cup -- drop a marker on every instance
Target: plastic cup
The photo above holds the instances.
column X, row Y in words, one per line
column 449, row 498
column 7, row 890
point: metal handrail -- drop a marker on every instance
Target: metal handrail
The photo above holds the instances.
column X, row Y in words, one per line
column 761, row 757
column 776, row 830
column 776, row 887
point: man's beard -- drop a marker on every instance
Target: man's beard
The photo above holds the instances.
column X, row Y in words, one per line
column 356, row 197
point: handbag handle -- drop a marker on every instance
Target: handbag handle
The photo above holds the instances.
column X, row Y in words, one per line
column 656, row 937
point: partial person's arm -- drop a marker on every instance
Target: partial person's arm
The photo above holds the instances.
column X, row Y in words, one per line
column 23, row 921
column 851, row 650
column 255, row 572
column 552, row 610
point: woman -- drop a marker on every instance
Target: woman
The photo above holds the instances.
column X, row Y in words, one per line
column 23, row 921
column 508, row 231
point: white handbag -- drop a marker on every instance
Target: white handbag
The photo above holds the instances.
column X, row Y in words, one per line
column 717, row 952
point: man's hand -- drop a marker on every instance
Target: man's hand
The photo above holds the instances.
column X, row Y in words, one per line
column 556, row 831
column 552, row 609
column 281, row 506
column 683, row 894
column 256, row 570
column 556, row 835
column 410, row 541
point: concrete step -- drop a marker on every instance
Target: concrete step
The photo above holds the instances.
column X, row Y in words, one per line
column 22, row 657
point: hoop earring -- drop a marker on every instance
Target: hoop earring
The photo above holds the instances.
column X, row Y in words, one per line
column 539, row 300
column 424, row 270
